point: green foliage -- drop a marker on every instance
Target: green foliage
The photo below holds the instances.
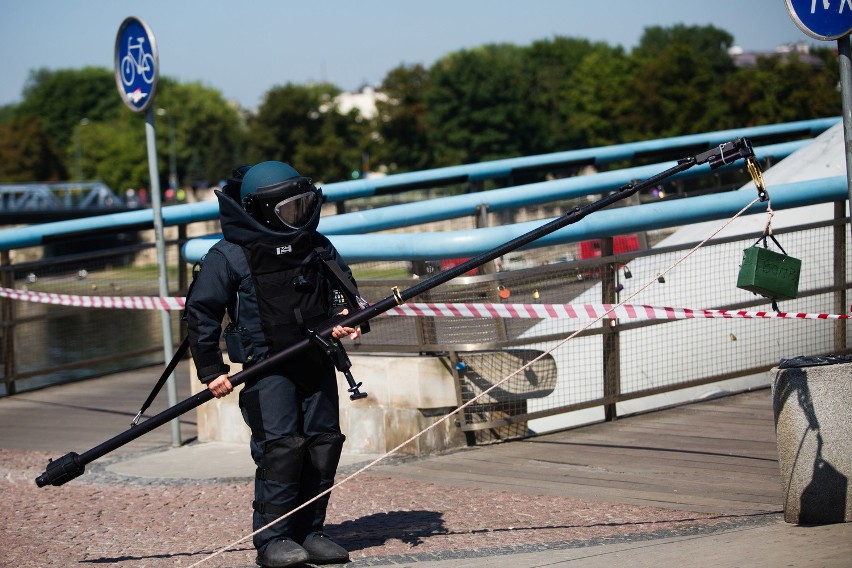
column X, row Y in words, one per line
column 115, row 152
column 477, row 105
column 27, row 153
column 676, row 87
column 404, row 143
column 208, row 132
column 783, row 91
column 709, row 44
column 553, row 71
column 61, row 99
column 665, row 106
column 7, row 113
column 301, row 125
column 595, row 102
column 81, row 113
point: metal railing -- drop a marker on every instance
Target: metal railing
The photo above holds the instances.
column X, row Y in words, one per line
column 604, row 365
column 46, row 344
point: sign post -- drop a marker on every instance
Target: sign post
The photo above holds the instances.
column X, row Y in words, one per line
column 137, row 70
column 828, row 20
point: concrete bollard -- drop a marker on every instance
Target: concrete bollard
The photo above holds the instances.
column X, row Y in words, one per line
column 812, row 400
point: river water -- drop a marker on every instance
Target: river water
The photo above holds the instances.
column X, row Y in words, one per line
column 75, row 336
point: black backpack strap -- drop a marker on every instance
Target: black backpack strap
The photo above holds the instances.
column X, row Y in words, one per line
column 353, row 299
column 195, row 269
column 163, row 378
column 170, row 368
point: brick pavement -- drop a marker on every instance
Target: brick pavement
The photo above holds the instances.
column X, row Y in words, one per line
column 102, row 519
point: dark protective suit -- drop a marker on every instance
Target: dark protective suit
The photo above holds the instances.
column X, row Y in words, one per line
column 293, row 410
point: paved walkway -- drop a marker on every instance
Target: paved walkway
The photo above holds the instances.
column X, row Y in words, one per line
column 696, row 485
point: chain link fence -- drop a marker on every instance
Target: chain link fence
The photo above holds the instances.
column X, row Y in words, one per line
column 613, row 360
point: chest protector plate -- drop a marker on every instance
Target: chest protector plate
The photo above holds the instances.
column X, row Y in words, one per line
column 292, row 294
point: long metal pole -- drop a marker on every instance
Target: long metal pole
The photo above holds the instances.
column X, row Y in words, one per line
column 72, row 465
column 163, row 279
column 844, row 50
column 7, row 319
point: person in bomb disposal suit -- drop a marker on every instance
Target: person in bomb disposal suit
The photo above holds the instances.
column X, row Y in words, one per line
column 265, row 275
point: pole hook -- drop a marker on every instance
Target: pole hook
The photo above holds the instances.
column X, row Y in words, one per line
column 757, row 177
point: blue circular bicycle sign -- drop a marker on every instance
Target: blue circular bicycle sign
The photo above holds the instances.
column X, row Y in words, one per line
column 822, row 19
column 136, row 64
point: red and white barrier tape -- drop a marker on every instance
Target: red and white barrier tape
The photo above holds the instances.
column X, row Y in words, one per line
column 587, row 311
column 122, row 302
column 458, row 310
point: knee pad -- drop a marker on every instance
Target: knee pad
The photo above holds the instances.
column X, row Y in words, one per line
column 282, row 459
column 324, row 451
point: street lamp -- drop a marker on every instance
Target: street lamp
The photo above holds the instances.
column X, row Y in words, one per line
column 173, row 179
column 79, row 148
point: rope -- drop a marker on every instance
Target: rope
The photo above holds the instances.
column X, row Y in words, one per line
column 477, row 397
column 767, row 230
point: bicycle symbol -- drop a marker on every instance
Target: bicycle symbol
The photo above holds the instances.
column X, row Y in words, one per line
column 142, row 63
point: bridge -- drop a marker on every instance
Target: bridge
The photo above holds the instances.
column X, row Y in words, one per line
column 32, row 203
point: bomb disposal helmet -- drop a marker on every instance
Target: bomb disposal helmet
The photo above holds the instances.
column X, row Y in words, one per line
column 279, row 198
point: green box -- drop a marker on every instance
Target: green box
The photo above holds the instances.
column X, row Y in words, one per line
column 769, row 273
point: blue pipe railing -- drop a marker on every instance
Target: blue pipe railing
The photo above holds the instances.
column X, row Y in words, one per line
column 409, row 214
column 190, row 213
column 650, row 216
column 590, row 156
column 439, row 209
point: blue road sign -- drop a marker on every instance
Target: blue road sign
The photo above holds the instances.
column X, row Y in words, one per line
column 822, row 19
column 137, row 65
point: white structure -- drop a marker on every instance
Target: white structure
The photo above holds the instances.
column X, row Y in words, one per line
column 364, row 101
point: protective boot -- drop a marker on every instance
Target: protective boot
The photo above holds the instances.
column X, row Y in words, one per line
column 323, row 550
column 276, row 493
column 320, row 465
column 280, row 553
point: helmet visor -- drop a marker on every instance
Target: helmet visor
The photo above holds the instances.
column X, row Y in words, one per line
column 296, row 211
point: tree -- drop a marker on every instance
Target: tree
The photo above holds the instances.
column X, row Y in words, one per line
column 82, row 115
column 595, row 101
column 554, row 71
column 27, row 153
column 783, row 88
column 404, row 143
column 209, row 134
column 302, row 125
column 709, row 44
column 7, row 113
column 477, row 105
column 484, row 103
column 676, row 88
column 61, row 99
column 115, row 152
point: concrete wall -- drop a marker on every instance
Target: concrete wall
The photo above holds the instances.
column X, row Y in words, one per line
column 407, row 393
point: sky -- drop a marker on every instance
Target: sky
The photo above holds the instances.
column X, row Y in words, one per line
column 245, row 47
